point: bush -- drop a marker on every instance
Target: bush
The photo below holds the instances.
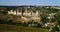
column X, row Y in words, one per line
column 2, row 21
column 55, row 28
column 10, row 22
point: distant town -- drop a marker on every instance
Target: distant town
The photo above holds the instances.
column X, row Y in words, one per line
column 41, row 16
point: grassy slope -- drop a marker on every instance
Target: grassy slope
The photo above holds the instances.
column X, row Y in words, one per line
column 14, row 28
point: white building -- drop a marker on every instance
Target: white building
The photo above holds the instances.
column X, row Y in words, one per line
column 18, row 13
column 26, row 13
column 10, row 12
column 14, row 12
column 35, row 14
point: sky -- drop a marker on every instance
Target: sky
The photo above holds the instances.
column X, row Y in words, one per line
column 30, row 2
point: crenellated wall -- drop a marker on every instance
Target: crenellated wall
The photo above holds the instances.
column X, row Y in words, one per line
column 26, row 13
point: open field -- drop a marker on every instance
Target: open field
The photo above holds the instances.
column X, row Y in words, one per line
column 15, row 28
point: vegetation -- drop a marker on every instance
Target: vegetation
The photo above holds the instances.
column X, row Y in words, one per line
column 8, row 21
column 14, row 28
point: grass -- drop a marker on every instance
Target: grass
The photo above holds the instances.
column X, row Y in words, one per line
column 15, row 28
